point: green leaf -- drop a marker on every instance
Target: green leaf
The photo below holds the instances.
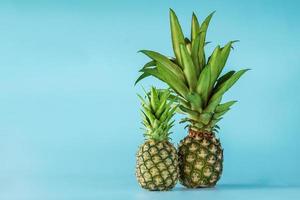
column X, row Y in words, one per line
column 149, row 72
column 206, row 43
column 219, row 91
column 224, row 78
column 188, row 68
column 225, row 106
column 184, row 120
column 173, row 97
column 215, row 130
column 149, row 115
column 178, row 110
column 142, row 99
column 198, row 125
column 176, row 84
column 201, row 52
column 188, row 46
column 194, row 54
column 225, row 51
column 141, row 77
column 206, row 22
column 162, row 106
column 165, row 62
column 195, row 28
column 212, row 105
column 177, row 35
column 154, row 99
column 183, row 102
column 219, row 114
column 214, row 63
column 214, row 122
column 165, row 114
column 205, row 118
column 162, row 94
column 203, row 31
column 189, row 111
column 195, row 100
column 203, row 84
column 171, row 113
column 218, row 61
column 147, row 121
column 152, row 63
column 186, row 126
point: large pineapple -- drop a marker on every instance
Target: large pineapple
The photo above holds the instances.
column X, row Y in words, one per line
column 157, row 160
column 199, row 86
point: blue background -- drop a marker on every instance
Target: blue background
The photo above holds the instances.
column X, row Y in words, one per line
column 70, row 121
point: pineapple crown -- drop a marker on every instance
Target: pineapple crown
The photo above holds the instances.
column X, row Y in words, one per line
column 157, row 112
column 196, row 80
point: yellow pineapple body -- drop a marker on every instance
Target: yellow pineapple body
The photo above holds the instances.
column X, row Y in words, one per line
column 157, row 165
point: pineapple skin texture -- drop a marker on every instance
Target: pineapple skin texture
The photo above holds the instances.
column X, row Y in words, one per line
column 157, row 165
column 200, row 161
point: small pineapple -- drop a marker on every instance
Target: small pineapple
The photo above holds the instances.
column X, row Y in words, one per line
column 199, row 86
column 157, row 160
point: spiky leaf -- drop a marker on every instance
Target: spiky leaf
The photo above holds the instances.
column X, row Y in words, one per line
column 154, row 102
column 224, row 78
column 175, row 83
column 150, row 64
column 211, row 107
column 150, row 72
column 177, row 35
column 194, row 54
column 203, row 84
column 195, row 28
column 189, row 111
column 227, row 84
column 157, row 114
column 188, row 68
column 166, row 63
column 205, row 118
column 203, row 30
column 195, row 101
column 218, row 61
column 225, row 106
column 219, row 114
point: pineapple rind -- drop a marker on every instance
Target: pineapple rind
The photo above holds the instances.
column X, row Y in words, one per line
column 200, row 161
column 157, row 165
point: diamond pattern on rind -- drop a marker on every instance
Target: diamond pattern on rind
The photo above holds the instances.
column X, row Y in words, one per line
column 200, row 162
column 157, row 165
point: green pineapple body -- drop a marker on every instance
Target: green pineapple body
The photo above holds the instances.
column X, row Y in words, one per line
column 200, row 160
column 157, row 165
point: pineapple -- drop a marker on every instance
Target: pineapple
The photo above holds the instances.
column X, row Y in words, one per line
column 199, row 87
column 157, row 160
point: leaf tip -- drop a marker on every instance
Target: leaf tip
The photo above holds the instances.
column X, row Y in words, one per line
column 234, row 41
column 172, row 12
column 138, row 80
column 212, row 14
column 194, row 16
